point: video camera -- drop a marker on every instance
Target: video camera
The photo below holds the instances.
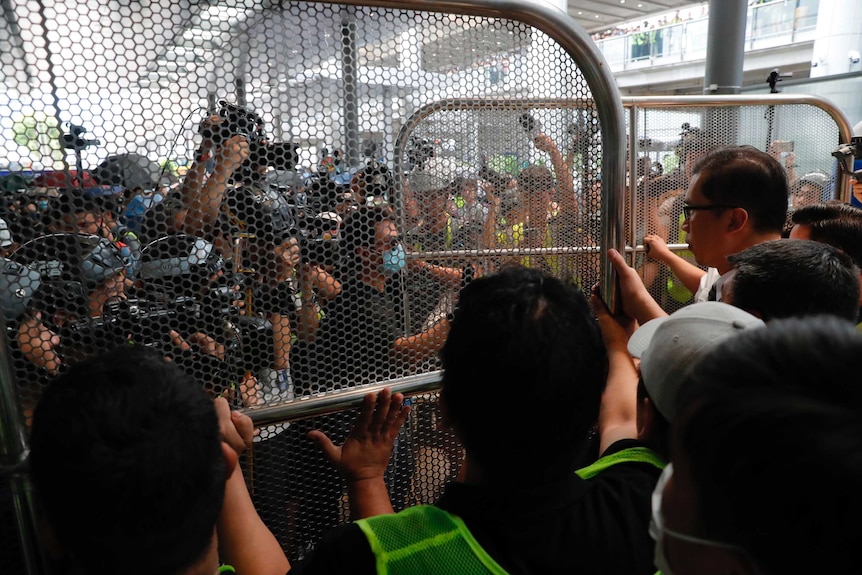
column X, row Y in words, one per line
column 847, row 153
column 73, row 139
column 147, row 322
column 239, row 121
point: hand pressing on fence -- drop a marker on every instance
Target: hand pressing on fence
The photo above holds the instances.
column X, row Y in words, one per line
column 618, row 411
column 244, row 540
column 364, row 455
column 637, row 303
column 656, row 247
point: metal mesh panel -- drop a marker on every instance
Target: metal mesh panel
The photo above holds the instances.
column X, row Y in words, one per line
column 670, row 138
column 231, row 183
column 525, row 185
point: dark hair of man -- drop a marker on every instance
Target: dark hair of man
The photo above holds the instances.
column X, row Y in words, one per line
column 127, row 463
column 524, row 370
column 359, row 230
column 745, row 177
column 772, row 433
column 836, row 224
column 785, row 278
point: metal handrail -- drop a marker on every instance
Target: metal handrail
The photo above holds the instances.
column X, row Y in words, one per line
column 333, row 401
column 845, row 130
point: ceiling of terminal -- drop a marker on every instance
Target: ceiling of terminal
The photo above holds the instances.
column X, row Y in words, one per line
column 215, row 24
column 597, row 15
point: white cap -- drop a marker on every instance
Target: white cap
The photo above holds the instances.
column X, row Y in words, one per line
column 669, row 347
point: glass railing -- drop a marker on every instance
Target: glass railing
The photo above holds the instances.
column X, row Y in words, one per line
column 776, row 23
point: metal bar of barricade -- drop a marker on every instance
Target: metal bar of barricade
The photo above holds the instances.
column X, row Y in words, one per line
column 13, row 457
column 453, row 254
column 331, row 402
column 845, row 129
column 632, row 187
column 640, row 248
column 591, row 63
column 614, row 213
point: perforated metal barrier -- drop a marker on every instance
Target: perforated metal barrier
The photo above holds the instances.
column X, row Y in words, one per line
column 285, row 198
column 232, row 184
column 671, row 134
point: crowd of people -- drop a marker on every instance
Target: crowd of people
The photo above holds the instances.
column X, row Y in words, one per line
column 592, row 442
column 265, row 292
column 647, row 26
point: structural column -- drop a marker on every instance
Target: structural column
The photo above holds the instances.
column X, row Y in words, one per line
column 725, row 46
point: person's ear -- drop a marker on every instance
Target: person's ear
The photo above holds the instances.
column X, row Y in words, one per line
column 231, row 459
column 739, row 218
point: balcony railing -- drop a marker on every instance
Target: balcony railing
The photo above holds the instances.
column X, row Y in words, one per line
column 777, row 23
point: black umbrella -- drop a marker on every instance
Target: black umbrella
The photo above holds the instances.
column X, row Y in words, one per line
column 131, row 171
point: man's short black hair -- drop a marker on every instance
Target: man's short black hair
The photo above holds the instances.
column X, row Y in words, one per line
column 785, row 278
column 771, row 429
column 126, row 460
column 745, row 177
column 836, row 224
column 524, row 370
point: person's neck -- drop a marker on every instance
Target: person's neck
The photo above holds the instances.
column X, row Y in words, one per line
column 750, row 240
column 208, row 564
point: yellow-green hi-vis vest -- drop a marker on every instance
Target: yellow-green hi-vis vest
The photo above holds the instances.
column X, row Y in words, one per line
column 425, row 539
column 630, row 455
column 674, row 287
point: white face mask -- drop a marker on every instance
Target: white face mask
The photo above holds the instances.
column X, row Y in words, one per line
column 658, row 531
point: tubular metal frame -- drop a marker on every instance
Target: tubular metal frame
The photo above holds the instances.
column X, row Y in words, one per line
column 411, row 385
column 541, row 16
column 610, row 108
column 843, row 189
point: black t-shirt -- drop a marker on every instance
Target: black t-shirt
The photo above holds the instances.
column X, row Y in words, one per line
column 280, row 298
column 355, row 339
column 595, row 526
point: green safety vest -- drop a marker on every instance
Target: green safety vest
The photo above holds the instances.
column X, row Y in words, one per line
column 630, row 455
column 675, row 288
column 425, row 539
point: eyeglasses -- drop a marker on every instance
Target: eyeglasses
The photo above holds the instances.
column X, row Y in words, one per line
column 687, row 209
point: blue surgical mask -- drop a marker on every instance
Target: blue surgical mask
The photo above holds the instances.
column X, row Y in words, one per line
column 394, row 259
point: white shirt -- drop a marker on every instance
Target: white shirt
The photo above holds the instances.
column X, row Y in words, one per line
column 706, row 282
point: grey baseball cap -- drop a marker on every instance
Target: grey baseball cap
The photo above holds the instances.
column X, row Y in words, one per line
column 669, row 347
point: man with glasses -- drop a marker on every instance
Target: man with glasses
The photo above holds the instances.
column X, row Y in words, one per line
column 737, row 198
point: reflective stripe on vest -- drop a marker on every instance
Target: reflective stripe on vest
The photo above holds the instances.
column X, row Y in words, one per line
column 425, row 539
column 630, row 455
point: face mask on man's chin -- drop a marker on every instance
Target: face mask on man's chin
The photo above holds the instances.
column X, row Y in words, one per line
column 394, row 260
